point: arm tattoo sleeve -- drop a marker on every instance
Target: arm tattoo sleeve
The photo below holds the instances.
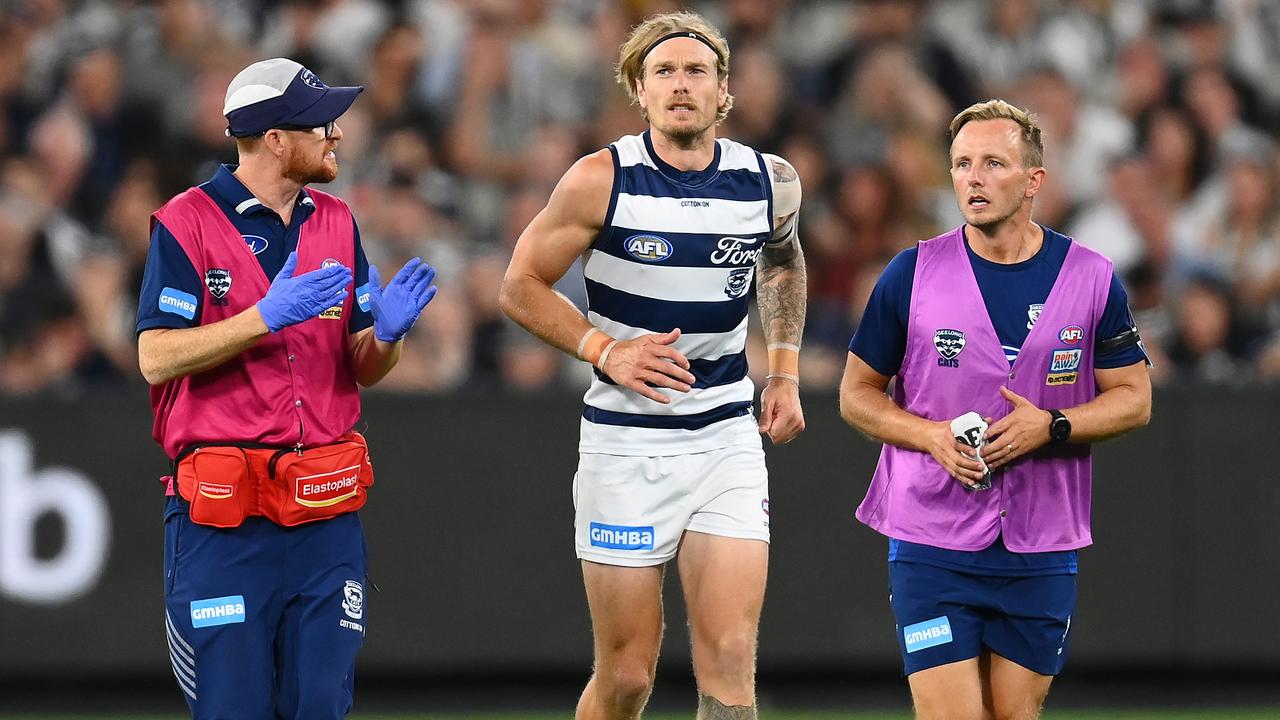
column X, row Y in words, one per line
column 781, row 293
column 710, row 708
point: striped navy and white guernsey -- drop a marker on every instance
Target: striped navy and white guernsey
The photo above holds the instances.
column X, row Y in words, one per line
column 678, row 249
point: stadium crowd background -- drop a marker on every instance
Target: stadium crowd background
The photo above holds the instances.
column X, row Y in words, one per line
column 1160, row 118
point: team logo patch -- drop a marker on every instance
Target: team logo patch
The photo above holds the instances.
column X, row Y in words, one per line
column 621, row 537
column 256, row 243
column 1033, row 314
column 1063, row 369
column 1071, row 334
column 217, row 611
column 738, row 282
column 173, row 300
column 330, row 488
column 949, row 343
column 647, row 248
column 218, row 280
column 310, row 78
column 736, row 251
column 353, row 599
column 927, row 634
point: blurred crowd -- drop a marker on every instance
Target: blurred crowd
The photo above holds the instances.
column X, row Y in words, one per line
column 1160, row 119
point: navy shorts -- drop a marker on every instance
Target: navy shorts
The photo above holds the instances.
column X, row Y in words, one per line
column 264, row 621
column 944, row 616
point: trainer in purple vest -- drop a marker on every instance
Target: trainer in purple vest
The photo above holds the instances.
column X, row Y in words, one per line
column 954, row 363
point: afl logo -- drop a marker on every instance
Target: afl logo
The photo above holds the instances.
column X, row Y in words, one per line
column 1071, row 334
column 647, row 248
column 329, row 262
column 256, row 243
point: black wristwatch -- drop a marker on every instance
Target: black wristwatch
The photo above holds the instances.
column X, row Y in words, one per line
column 1059, row 427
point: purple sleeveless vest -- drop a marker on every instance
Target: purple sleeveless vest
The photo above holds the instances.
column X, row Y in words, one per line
column 293, row 386
column 953, row 364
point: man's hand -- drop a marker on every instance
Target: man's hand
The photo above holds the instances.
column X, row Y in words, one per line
column 959, row 460
column 291, row 300
column 781, row 417
column 396, row 307
column 1024, row 430
column 646, row 361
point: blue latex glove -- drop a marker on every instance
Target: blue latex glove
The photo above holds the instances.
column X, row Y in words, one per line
column 290, row 300
column 396, row 307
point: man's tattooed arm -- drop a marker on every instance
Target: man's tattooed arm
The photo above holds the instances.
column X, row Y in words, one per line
column 780, row 277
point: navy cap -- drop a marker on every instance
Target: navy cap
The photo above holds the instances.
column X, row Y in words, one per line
column 280, row 92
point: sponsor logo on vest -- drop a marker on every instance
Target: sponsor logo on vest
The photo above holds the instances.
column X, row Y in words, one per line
column 353, row 599
column 695, row 203
column 621, row 537
column 216, row 491
column 256, row 243
column 177, row 302
column 335, row 312
column 1033, row 314
column 1071, row 334
column 736, row 251
column 927, row 634
column 1065, row 360
column 948, row 343
column 217, row 611
column 736, row 284
column 647, row 248
column 1063, row 368
column 329, row 488
column 218, row 280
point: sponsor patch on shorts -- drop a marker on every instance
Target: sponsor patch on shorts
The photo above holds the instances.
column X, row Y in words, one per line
column 621, row 537
column 927, row 634
column 217, row 611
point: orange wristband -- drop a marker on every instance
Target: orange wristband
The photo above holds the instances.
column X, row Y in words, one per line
column 592, row 345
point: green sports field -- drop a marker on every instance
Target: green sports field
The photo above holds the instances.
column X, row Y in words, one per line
column 767, row 715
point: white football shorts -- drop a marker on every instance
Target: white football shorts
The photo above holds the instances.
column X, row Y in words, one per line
column 633, row 511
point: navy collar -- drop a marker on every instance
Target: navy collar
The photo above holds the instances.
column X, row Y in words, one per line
column 228, row 189
column 688, row 177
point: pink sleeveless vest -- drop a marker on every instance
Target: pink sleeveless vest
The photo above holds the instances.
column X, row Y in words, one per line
column 293, row 386
column 953, row 364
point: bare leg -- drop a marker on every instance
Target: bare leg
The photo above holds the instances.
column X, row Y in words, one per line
column 626, row 616
column 1016, row 692
column 949, row 692
column 724, row 581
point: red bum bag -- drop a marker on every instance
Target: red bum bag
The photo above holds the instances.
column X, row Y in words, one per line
column 225, row 483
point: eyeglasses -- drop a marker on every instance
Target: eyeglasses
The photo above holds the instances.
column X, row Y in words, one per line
column 328, row 128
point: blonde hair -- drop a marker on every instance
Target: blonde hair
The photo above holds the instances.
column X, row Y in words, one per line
column 630, row 69
column 1032, row 144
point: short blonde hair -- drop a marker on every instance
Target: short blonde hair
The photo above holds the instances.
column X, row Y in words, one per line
column 630, row 69
column 1032, row 144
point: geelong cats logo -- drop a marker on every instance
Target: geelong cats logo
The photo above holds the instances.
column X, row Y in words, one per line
column 218, row 281
column 949, row 343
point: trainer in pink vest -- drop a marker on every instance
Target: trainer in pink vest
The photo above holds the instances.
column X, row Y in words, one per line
column 293, row 386
column 954, row 363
